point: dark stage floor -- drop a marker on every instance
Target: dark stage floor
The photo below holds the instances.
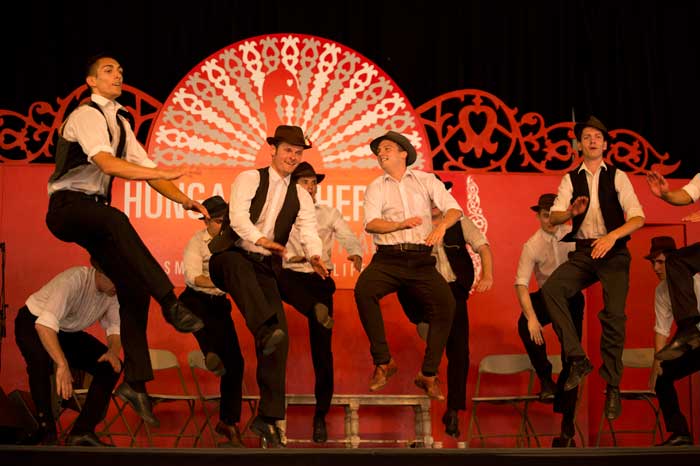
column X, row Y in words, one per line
column 77, row 456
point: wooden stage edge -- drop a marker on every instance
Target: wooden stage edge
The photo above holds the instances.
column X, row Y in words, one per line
column 76, row 456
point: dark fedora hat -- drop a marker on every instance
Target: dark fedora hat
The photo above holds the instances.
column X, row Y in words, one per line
column 546, row 201
column 216, row 206
column 448, row 184
column 660, row 244
column 291, row 135
column 305, row 169
column 592, row 122
column 399, row 139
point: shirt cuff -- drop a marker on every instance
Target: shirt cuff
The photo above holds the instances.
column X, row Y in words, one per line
column 48, row 320
column 98, row 149
column 692, row 191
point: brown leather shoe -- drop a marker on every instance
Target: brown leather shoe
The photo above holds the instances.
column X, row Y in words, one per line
column 381, row 375
column 431, row 386
column 231, row 432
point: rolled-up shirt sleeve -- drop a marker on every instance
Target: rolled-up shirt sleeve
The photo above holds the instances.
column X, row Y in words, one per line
column 662, row 310
column 693, row 188
column 472, row 234
column 56, row 307
column 526, row 265
column 111, row 321
column 628, row 198
column 372, row 202
column 440, row 196
column 344, row 234
column 564, row 194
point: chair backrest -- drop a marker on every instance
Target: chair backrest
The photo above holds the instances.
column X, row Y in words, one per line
column 639, row 358
column 163, row 359
column 505, row 364
column 195, row 359
column 555, row 361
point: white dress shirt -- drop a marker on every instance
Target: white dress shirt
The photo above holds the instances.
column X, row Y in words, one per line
column 70, row 302
column 196, row 261
column 593, row 225
column 474, row 238
column 330, row 226
column 242, row 192
column 395, row 201
column 693, row 188
column 542, row 253
column 88, row 127
column 662, row 306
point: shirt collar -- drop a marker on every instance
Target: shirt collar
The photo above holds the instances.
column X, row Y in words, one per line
column 407, row 173
column 104, row 102
column 584, row 168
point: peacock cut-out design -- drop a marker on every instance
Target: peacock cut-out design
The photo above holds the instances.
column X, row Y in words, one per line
column 221, row 113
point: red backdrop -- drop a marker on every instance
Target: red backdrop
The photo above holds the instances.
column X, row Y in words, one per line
column 34, row 256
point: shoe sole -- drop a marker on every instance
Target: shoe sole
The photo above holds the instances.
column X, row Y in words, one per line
column 669, row 354
column 420, row 385
column 272, row 342
column 323, row 316
column 264, row 441
column 589, row 369
column 150, row 422
column 389, row 373
column 190, row 328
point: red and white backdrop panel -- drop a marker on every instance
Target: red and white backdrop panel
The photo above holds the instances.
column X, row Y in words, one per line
column 217, row 118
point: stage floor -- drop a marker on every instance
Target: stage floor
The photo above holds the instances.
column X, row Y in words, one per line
column 75, row 456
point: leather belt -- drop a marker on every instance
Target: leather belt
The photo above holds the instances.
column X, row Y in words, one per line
column 404, row 247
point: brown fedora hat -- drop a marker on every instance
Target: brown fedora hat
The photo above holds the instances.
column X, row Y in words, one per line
column 593, row 122
column 305, row 169
column 660, row 244
column 546, row 201
column 399, row 139
column 291, row 135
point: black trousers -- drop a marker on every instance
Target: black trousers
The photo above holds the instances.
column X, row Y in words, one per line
column 109, row 237
column 82, row 351
column 673, row 370
column 565, row 401
column 580, row 272
column 681, row 265
column 387, row 273
column 302, row 291
column 251, row 282
column 219, row 336
column 457, row 347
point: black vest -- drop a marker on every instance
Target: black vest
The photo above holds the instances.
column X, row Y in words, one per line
column 70, row 155
column 227, row 238
column 458, row 256
column 613, row 215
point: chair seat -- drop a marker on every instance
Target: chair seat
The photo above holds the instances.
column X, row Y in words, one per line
column 635, row 358
column 504, row 399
